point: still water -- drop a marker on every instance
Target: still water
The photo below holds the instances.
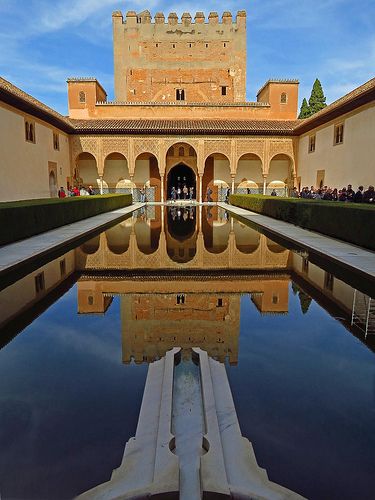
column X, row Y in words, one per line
column 77, row 336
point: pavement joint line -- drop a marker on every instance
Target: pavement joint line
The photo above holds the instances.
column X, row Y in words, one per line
column 19, row 253
column 353, row 258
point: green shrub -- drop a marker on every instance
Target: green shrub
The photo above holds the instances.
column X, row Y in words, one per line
column 22, row 219
column 351, row 222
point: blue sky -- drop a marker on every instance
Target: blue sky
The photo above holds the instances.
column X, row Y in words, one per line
column 43, row 42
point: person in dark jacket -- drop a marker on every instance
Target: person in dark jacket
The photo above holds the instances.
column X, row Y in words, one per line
column 358, row 197
column 369, row 195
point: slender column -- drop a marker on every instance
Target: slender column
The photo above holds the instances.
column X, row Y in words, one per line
column 101, row 183
column 132, row 188
column 200, row 189
column 232, row 184
column 162, row 188
column 264, row 184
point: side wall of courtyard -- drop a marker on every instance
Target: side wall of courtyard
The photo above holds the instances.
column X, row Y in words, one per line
column 33, row 163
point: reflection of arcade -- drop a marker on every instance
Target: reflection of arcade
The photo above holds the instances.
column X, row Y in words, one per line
column 160, row 314
column 181, row 234
column 195, row 237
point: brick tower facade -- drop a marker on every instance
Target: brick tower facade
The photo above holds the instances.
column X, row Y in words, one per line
column 171, row 60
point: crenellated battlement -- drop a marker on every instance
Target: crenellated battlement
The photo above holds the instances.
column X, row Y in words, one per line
column 168, row 58
column 132, row 18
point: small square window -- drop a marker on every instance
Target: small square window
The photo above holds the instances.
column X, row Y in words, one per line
column 206, row 45
column 283, row 98
column 82, row 97
column 219, row 303
column 173, row 45
column 180, row 94
column 224, row 90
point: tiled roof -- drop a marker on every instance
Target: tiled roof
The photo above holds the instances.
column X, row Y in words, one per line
column 206, row 127
column 16, row 97
column 357, row 97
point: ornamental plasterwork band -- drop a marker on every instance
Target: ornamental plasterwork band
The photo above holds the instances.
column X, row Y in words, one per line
column 132, row 147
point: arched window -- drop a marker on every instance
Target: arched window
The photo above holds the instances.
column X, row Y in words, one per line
column 191, row 151
column 283, row 98
column 181, row 151
column 82, row 97
column 27, row 131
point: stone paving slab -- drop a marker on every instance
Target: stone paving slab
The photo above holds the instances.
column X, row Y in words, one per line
column 21, row 252
column 354, row 258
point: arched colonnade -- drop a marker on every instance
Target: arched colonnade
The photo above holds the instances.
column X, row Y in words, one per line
column 156, row 165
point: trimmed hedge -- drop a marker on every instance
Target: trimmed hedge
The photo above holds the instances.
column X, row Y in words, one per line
column 351, row 222
column 22, row 219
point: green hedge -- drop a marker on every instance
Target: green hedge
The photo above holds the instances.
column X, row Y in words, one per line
column 22, row 219
column 351, row 222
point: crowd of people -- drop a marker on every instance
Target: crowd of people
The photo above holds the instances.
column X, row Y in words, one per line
column 334, row 194
column 75, row 191
column 182, row 193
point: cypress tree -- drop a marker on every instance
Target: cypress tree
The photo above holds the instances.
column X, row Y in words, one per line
column 305, row 111
column 317, row 99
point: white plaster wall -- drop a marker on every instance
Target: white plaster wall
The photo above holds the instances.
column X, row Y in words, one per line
column 142, row 171
column 88, row 172
column 250, row 170
column 279, row 171
column 222, row 170
column 114, row 170
column 351, row 162
column 24, row 165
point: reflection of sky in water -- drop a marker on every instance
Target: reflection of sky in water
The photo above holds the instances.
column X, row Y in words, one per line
column 304, row 387
column 303, row 390
column 67, row 403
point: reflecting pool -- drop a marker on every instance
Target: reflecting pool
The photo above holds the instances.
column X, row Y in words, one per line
column 77, row 334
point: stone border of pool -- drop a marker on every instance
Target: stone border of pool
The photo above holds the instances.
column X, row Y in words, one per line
column 353, row 258
column 24, row 252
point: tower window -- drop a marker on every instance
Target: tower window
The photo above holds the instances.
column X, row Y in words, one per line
column 219, row 303
column 173, row 45
column 156, row 45
column 206, row 45
column 283, row 98
column 82, row 97
column 225, row 45
column 224, row 90
column 181, row 151
column 180, row 94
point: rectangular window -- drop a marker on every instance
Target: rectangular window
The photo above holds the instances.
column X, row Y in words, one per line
column 305, row 265
column 39, row 283
column 224, row 90
column 328, row 281
column 312, row 140
column 339, row 134
column 219, row 303
column 56, row 142
column 62, row 268
column 180, row 94
column 30, row 131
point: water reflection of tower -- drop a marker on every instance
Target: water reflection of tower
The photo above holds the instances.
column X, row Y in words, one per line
column 154, row 323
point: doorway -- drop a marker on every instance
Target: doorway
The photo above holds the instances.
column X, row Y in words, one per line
column 179, row 176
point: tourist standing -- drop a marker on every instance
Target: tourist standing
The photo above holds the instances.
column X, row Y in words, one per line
column 191, row 192
column 185, row 191
column 294, row 193
column 350, row 193
column 173, row 193
column 208, row 194
column 62, row 193
column 273, row 193
column 369, row 195
column 358, row 197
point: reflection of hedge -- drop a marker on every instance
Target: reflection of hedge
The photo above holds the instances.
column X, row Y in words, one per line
column 22, row 219
column 350, row 222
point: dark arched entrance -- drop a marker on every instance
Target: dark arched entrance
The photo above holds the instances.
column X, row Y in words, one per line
column 178, row 177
